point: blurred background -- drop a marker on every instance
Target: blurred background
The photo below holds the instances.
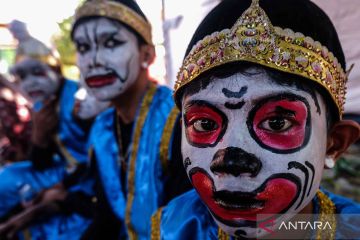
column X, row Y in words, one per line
column 173, row 24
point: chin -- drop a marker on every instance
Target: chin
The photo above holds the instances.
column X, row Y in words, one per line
column 38, row 99
column 104, row 96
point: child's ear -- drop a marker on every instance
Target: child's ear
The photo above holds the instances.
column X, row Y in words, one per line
column 341, row 136
column 147, row 54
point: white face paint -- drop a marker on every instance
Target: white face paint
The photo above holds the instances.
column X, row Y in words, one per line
column 252, row 146
column 87, row 106
column 108, row 57
column 37, row 79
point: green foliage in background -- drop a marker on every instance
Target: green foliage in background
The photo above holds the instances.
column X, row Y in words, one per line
column 63, row 43
column 344, row 179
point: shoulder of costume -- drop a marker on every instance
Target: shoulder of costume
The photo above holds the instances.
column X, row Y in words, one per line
column 186, row 210
column 164, row 95
column 69, row 87
column 14, row 168
column 343, row 205
column 71, row 83
column 102, row 122
column 347, row 216
column 162, row 102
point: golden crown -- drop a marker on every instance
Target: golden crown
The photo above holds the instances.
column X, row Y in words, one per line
column 254, row 39
column 48, row 59
column 117, row 11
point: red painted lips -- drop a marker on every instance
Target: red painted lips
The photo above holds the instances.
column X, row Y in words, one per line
column 101, row 80
column 277, row 195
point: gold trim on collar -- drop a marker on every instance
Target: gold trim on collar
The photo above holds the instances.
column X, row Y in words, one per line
column 117, row 11
column 70, row 159
column 144, row 109
column 223, row 235
column 166, row 137
column 327, row 214
column 155, row 225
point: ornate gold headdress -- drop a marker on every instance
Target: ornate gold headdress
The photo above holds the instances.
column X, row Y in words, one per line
column 117, row 11
column 254, row 39
column 48, row 59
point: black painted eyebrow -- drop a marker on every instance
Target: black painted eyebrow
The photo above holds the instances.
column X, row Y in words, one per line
column 200, row 103
column 79, row 40
column 284, row 111
column 233, row 106
column 231, row 94
column 87, row 36
column 106, row 36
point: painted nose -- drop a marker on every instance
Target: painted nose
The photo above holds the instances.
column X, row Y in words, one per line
column 96, row 60
column 235, row 161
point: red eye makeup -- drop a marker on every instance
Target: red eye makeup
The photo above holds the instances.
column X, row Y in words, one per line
column 204, row 124
column 281, row 124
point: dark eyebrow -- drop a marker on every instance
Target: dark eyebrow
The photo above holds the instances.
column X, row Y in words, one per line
column 233, row 106
column 105, row 36
column 79, row 39
column 199, row 103
column 284, row 111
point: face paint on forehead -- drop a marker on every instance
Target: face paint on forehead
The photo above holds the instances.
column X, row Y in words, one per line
column 269, row 159
column 37, row 80
column 108, row 57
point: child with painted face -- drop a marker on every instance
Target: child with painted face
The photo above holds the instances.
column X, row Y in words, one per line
column 57, row 159
column 130, row 143
column 261, row 119
column 37, row 80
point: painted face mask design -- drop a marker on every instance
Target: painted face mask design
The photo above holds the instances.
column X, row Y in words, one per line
column 253, row 147
column 108, row 57
column 86, row 106
column 37, row 79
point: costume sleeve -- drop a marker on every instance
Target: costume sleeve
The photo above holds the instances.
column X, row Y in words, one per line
column 176, row 172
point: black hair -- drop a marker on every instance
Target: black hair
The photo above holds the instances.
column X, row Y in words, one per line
column 299, row 15
column 129, row 3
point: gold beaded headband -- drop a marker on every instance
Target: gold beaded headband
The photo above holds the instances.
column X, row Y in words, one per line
column 48, row 59
column 117, row 11
column 254, row 39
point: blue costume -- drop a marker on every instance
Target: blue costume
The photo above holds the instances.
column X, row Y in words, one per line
column 71, row 137
column 187, row 217
column 149, row 150
column 71, row 140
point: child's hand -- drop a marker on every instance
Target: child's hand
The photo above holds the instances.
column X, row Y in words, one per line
column 45, row 122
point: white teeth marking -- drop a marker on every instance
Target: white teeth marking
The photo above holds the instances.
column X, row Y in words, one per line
column 244, row 206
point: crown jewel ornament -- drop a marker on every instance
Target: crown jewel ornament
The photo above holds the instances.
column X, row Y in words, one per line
column 254, row 39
